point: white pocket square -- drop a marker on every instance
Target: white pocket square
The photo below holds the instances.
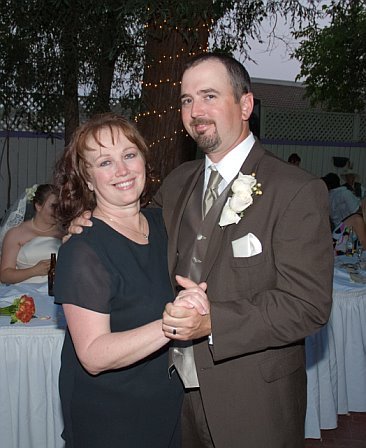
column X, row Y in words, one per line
column 246, row 246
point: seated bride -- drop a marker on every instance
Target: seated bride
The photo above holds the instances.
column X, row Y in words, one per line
column 27, row 248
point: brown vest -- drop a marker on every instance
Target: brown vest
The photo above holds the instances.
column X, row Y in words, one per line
column 194, row 233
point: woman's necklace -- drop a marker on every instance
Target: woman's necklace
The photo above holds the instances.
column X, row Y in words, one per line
column 144, row 234
column 40, row 230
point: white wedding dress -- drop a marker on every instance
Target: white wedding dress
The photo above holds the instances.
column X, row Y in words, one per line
column 37, row 249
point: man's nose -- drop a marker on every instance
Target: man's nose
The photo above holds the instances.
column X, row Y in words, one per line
column 197, row 109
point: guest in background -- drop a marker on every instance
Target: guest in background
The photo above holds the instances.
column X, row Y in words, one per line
column 294, row 159
column 350, row 177
column 26, row 248
column 113, row 283
column 345, row 212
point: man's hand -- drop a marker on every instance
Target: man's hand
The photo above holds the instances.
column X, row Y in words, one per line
column 193, row 296
column 188, row 317
column 78, row 223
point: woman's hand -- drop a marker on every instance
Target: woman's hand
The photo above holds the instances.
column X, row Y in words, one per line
column 42, row 267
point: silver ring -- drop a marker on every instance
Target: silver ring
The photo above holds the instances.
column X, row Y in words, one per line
column 174, row 331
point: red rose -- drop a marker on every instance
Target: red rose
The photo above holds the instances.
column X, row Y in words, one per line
column 22, row 309
column 26, row 309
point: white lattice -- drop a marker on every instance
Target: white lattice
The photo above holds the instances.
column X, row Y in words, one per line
column 300, row 125
column 24, row 117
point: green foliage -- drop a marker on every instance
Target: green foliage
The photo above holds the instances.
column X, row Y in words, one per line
column 51, row 51
column 333, row 59
column 43, row 44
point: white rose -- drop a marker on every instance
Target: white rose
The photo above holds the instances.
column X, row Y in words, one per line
column 228, row 216
column 243, row 182
column 241, row 200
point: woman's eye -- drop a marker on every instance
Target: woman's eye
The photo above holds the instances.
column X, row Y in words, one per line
column 130, row 155
column 105, row 163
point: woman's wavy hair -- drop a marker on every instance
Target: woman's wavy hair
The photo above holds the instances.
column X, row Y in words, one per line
column 71, row 171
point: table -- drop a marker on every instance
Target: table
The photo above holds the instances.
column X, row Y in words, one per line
column 336, row 355
column 30, row 410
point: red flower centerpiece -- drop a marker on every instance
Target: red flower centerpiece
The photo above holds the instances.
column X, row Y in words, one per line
column 21, row 310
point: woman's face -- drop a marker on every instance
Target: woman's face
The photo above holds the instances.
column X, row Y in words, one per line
column 47, row 210
column 117, row 170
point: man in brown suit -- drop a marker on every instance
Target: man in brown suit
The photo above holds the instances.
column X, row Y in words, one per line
column 268, row 268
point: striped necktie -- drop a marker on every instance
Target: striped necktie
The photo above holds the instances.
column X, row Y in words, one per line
column 211, row 193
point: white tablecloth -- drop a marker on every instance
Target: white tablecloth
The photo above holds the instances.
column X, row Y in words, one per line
column 336, row 356
column 30, row 411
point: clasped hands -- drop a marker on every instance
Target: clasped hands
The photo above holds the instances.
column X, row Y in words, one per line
column 188, row 317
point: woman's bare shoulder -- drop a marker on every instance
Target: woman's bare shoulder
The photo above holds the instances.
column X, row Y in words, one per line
column 21, row 233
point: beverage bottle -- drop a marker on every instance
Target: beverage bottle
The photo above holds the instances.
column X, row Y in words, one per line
column 51, row 274
column 349, row 243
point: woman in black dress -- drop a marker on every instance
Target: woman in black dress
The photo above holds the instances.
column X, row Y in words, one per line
column 113, row 283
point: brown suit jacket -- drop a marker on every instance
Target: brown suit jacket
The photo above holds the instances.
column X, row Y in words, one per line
column 253, row 377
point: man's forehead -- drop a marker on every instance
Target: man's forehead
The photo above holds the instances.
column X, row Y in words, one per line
column 207, row 66
column 206, row 75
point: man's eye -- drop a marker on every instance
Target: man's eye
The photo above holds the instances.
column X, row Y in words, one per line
column 186, row 101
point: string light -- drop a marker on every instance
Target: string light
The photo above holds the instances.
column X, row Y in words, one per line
column 165, row 58
column 159, row 114
column 161, row 81
column 176, row 28
column 168, row 138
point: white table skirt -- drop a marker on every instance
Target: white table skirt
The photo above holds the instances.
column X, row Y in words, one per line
column 348, row 324
column 30, row 410
column 336, row 357
column 321, row 369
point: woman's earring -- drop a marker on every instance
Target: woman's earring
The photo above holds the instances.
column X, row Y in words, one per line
column 90, row 186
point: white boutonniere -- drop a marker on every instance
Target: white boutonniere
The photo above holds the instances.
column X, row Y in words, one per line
column 243, row 188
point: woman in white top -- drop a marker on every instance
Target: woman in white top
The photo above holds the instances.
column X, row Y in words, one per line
column 26, row 248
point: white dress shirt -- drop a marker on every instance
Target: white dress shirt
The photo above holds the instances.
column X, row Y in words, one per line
column 230, row 165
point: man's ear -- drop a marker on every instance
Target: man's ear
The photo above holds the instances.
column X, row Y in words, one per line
column 247, row 105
